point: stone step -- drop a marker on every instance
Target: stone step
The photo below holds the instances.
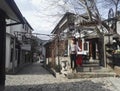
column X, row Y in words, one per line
column 85, row 72
column 90, row 75
column 87, row 69
column 88, row 62
column 90, row 65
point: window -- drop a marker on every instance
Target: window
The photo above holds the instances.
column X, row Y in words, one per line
column 85, row 46
column 11, row 56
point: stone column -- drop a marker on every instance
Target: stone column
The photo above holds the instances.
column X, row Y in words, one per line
column 2, row 48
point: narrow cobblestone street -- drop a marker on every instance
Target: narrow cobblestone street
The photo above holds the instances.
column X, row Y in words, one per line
column 35, row 78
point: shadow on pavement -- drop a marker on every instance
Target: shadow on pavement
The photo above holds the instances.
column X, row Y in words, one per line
column 33, row 69
column 71, row 86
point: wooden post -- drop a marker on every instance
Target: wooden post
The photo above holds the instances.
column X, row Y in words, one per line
column 58, row 53
column 91, row 56
column 94, row 49
column 2, row 49
column 14, row 55
column 104, row 53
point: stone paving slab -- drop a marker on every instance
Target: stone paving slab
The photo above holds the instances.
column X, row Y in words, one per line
column 100, row 84
column 116, row 83
column 90, row 75
column 74, row 86
column 36, row 78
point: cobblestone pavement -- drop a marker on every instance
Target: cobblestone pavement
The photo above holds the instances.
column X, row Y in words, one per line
column 36, row 78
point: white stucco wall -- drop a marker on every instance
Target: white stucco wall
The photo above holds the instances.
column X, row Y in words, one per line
column 118, row 27
column 8, row 52
column 16, row 28
column 108, row 39
column 10, row 30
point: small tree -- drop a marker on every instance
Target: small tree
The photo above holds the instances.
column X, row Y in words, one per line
column 34, row 45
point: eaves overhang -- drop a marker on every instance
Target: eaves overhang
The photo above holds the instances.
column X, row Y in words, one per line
column 11, row 10
column 63, row 21
column 26, row 22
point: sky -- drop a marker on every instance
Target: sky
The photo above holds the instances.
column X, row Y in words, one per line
column 38, row 15
column 41, row 14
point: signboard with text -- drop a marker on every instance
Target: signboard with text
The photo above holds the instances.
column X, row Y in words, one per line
column 26, row 47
